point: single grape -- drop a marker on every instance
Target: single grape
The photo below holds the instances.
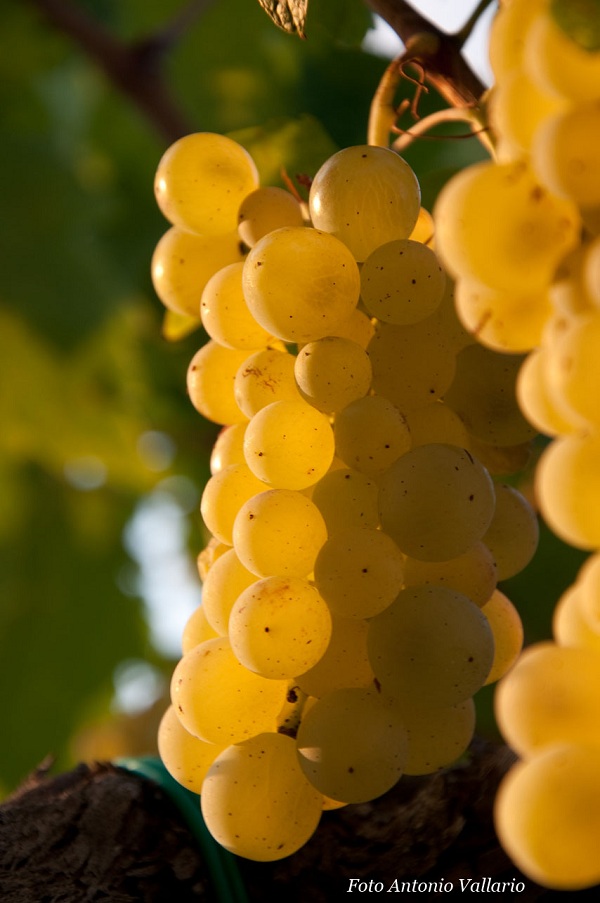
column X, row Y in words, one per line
column 264, row 210
column 224, row 495
column 365, row 196
column 183, row 263
column 210, row 380
column 512, row 536
column 225, row 581
column 347, row 498
column 547, row 816
column 279, row 627
column 351, row 746
column 571, row 625
column 201, row 181
column 300, row 284
column 564, row 153
column 332, row 372
column 370, row 434
column 228, row 448
column 431, row 648
column 436, row 422
column 504, row 321
column 507, row 629
column 289, row 444
column 535, row 397
column 280, row 532
column 256, row 801
column 504, row 207
column 437, row 737
column 550, row 697
column 265, row 377
column 402, row 282
column 412, row 365
column 224, row 312
column 359, row 572
column 572, row 369
column 185, row 757
column 473, row 573
column 483, row 395
column 220, row 701
column 197, row 630
column 518, row 107
column 567, row 485
column 436, row 501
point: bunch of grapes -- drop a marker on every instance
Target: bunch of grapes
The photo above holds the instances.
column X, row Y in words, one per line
column 520, row 235
column 350, row 609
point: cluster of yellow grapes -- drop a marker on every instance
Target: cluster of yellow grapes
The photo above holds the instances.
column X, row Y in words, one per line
column 521, row 236
column 350, row 608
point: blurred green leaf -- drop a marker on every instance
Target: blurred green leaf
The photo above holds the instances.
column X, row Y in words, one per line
column 64, row 625
column 580, row 21
column 295, row 147
column 339, row 21
column 59, row 408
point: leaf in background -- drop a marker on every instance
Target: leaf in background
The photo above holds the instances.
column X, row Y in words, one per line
column 63, row 629
column 290, row 15
column 83, row 409
column 296, row 146
column 341, row 21
column 580, row 21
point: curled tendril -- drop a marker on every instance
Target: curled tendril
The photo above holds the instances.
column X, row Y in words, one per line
column 419, row 82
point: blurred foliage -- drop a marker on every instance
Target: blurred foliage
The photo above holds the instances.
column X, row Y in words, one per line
column 86, row 372
column 580, row 21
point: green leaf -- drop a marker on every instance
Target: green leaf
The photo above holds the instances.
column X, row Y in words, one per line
column 86, row 408
column 295, row 146
column 580, row 21
column 344, row 22
column 64, row 625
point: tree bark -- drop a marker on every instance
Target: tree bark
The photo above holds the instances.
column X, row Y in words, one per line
column 100, row 833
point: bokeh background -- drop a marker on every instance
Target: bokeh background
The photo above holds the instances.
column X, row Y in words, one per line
column 102, row 458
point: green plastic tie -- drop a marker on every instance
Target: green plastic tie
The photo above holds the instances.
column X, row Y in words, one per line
column 221, row 864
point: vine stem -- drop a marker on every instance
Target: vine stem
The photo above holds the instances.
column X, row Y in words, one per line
column 134, row 69
column 438, row 56
column 439, row 53
column 464, row 33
